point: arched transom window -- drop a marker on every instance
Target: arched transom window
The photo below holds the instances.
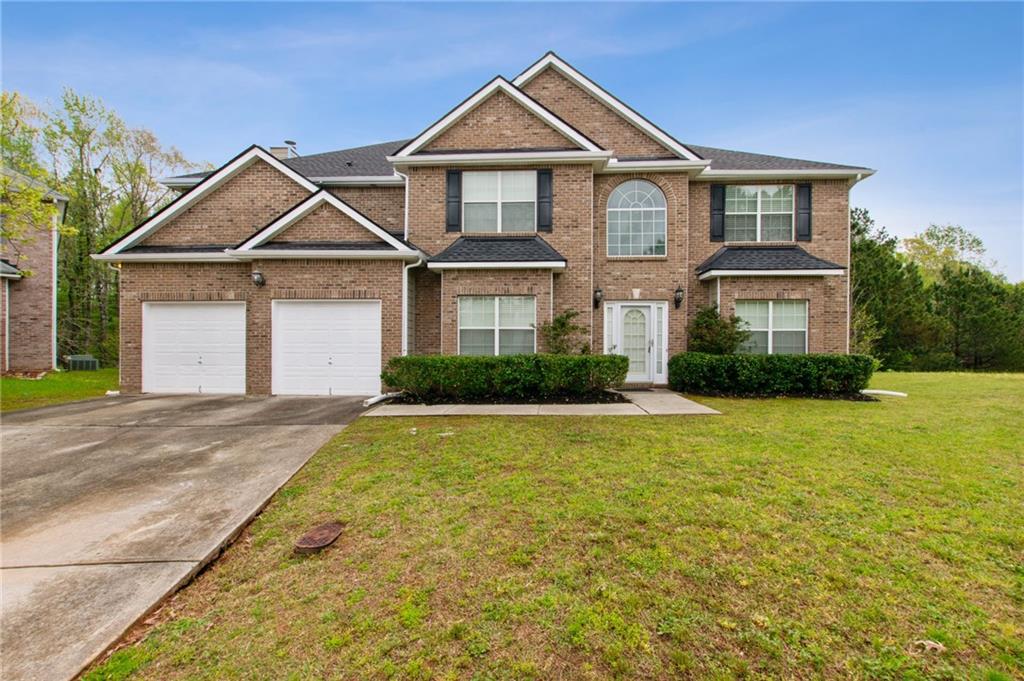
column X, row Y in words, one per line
column 636, row 219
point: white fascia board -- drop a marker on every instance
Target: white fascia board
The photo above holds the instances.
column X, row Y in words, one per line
column 536, row 265
column 504, row 157
column 207, row 256
column 10, row 275
column 617, row 166
column 284, row 254
column 502, row 85
column 714, row 274
column 856, row 174
column 552, row 60
column 300, row 211
column 205, row 187
column 324, row 181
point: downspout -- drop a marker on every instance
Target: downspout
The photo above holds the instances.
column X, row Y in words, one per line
column 405, row 304
column 405, row 179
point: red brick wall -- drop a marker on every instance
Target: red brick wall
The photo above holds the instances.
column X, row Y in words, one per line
column 286, row 279
column 427, row 310
column 644, row 278
column 384, row 205
column 455, row 283
column 30, row 304
column 829, row 240
column 591, row 117
column 234, row 211
column 326, row 223
column 500, row 122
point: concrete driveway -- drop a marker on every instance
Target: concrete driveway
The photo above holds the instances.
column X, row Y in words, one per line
column 108, row 505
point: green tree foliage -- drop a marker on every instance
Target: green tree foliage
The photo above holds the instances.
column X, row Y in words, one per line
column 716, row 335
column 563, row 336
column 26, row 208
column 109, row 173
column 934, row 306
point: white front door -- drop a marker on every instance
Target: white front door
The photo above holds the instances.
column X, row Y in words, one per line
column 639, row 330
column 193, row 348
column 326, row 347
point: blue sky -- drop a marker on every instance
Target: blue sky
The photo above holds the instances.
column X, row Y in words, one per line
column 931, row 95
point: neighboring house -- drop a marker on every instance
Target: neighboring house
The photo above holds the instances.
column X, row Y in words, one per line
column 303, row 275
column 28, row 292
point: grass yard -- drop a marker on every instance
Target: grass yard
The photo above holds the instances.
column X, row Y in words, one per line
column 54, row 388
column 786, row 538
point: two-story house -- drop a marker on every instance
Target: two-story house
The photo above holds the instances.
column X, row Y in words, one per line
column 290, row 274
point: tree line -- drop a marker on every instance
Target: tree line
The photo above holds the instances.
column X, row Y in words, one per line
column 932, row 302
column 109, row 171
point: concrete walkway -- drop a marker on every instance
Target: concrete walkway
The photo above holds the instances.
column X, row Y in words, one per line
column 657, row 402
column 108, row 505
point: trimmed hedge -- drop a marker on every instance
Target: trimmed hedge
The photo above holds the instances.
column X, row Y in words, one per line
column 505, row 377
column 764, row 375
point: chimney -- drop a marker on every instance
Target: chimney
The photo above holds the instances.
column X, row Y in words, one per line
column 281, row 152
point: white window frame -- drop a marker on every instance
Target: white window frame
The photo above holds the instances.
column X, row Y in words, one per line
column 497, row 328
column 771, row 321
column 758, row 213
column 607, row 223
column 499, row 201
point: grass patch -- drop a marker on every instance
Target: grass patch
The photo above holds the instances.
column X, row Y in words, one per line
column 54, row 388
column 787, row 538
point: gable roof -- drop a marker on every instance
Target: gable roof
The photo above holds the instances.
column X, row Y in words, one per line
column 498, row 84
column 765, row 260
column 552, row 60
column 729, row 159
column 307, row 205
column 9, row 271
column 205, row 187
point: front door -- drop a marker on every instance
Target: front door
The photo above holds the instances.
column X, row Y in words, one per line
column 637, row 330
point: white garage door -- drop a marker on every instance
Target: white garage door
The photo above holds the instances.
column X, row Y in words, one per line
column 326, row 347
column 193, row 347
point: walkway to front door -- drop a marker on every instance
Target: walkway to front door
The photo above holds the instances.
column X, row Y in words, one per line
column 639, row 330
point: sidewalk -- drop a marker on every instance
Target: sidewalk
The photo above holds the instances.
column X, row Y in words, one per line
column 658, row 402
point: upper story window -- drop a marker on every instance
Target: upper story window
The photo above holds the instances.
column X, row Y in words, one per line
column 636, row 219
column 759, row 212
column 499, row 201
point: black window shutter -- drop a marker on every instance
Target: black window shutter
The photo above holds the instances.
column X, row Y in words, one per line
column 718, row 212
column 803, row 212
column 545, row 195
column 453, row 202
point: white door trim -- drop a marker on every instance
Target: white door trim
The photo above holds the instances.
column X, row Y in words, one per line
column 658, row 358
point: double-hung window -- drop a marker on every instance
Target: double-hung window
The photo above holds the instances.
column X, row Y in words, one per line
column 497, row 325
column 759, row 212
column 777, row 327
column 499, row 201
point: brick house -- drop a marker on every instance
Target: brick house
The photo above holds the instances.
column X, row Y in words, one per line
column 28, row 291
column 283, row 274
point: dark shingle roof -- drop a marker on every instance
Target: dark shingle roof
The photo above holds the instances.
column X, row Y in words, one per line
column 371, row 161
column 326, row 246
column 764, row 258
column 9, row 270
column 498, row 249
column 202, row 248
column 728, row 159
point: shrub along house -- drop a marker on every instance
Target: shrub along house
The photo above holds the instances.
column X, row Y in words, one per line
column 304, row 274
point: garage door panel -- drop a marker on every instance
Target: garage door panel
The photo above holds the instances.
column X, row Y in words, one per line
column 326, row 347
column 193, row 347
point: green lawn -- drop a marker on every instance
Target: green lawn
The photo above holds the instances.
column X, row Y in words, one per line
column 786, row 538
column 54, row 388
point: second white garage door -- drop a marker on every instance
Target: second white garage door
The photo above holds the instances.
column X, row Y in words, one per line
column 326, row 347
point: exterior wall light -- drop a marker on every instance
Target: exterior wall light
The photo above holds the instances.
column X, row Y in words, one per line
column 678, row 297
column 259, row 279
column 598, row 297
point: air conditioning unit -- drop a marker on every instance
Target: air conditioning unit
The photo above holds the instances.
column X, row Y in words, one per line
column 81, row 363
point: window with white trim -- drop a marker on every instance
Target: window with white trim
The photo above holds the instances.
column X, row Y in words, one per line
column 759, row 212
column 499, row 201
column 777, row 327
column 497, row 325
column 636, row 219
